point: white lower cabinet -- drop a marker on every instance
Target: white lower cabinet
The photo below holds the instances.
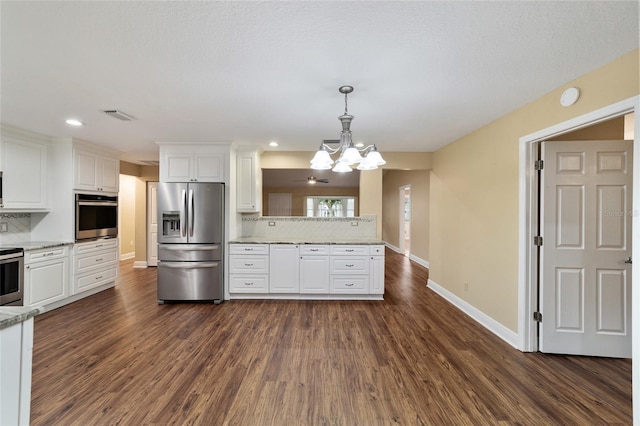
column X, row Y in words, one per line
column 314, row 269
column 309, row 271
column 284, row 267
column 95, row 263
column 46, row 277
column 249, row 268
column 16, row 354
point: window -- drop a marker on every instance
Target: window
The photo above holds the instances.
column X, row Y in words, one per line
column 331, row 206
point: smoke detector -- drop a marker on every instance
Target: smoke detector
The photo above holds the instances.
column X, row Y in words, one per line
column 119, row 115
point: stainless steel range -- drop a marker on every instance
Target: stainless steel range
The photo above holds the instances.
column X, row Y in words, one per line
column 11, row 276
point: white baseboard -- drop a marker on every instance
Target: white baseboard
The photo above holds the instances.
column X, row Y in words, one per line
column 140, row 264
column 126, row 256
column 483, row 319
column 413, row 257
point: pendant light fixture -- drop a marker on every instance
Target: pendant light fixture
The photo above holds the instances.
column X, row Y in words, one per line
column 367, row 158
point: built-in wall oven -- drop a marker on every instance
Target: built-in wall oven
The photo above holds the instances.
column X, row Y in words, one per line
column 11, row 276
column 96, row 216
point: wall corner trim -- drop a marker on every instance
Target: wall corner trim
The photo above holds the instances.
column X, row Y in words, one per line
column 140, row 264
column 483, row 319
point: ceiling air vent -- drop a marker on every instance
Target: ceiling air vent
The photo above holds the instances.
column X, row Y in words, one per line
column 119, row 115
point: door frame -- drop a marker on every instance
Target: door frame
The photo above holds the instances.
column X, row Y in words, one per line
column 149, row 213
column 528, row 204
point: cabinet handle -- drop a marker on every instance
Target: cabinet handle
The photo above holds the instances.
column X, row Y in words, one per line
column 349, row 266
column 99, row 278
column 349, row 284
column 348, row 250
column 28, row 267
column 313, row 249
column 248, row 283
column 248, row 264
column 98, row 245
column 99, row 260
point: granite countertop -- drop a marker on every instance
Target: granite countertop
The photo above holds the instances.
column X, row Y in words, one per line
column 37, row 245
column 313, row 240
column 11, row 315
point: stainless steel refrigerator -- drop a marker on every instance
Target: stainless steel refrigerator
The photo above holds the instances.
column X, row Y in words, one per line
column 190, row 242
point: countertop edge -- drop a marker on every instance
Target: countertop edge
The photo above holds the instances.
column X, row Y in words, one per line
column 251, row 240
column 12, row 315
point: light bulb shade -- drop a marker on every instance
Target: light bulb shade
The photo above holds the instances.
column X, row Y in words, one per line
column 351, row 155
column 367, row 164
column 375, row 157
column 322, row 160
column 341, row 167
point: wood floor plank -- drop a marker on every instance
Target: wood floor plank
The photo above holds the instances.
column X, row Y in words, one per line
column 118, row 357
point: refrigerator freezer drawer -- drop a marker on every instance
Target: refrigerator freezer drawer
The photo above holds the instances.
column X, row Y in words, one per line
column 190, row 281
column 189, row 252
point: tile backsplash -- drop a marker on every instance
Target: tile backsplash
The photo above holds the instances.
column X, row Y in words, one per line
column 309, row 227
column 18, row 227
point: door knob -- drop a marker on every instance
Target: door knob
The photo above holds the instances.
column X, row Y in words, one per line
column 628, row 260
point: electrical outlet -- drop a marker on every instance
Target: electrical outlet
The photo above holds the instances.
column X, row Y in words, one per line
column 272, row 224
column 466, row 287
column 4, row 227
column 354, row 223
column 131, row 243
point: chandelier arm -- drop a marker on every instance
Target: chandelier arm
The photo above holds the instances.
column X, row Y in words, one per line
column 331, row 150
column 368, row 147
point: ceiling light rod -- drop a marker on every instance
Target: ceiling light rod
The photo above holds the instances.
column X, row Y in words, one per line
column 349, row 154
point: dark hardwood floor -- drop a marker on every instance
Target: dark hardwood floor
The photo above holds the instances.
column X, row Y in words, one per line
column 413, row 359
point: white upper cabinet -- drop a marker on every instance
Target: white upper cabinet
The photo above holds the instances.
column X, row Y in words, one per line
column 95, row 172
column 193, row 163
column 248, row 181
column 23, row 161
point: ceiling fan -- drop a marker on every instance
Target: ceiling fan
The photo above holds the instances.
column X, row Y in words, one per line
column 312, row 180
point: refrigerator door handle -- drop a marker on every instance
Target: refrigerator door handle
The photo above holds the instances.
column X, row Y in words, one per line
column 183, row 222
column 191, row 209
column 188, row 265
column 183, row 247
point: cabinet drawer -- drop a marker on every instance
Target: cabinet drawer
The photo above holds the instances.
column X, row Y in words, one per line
column 86, row 262
column 95, row 279
column 376, row 250
column 248, row 283
column 248, row 248
column 42, row 255
column 344, row 249
column 313, row 249
column 248, row 264
column 357, row 284
column 80, row 248
column 349, row 265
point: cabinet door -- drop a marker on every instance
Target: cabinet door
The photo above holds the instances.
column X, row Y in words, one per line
column 314, row 274
column 248, row 183
column 85, row 171
column 284, row 267
column 376, row 275
column 109, row 179
column 208, row 168
column 24, row 166
column 46, row 282
column 176, row 167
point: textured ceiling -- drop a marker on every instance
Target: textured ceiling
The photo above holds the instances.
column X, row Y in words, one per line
column 425, row 73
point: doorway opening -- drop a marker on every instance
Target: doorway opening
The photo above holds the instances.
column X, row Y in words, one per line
column 404, row 235
column 528, row 257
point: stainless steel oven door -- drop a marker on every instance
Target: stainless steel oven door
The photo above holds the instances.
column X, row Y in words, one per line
column 11, row 279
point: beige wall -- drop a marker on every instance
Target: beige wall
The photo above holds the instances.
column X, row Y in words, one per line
column 298, row 196
column 474, row 192
column 609, row 130
column 140, row 175
column 127, row 212
column 391, row 182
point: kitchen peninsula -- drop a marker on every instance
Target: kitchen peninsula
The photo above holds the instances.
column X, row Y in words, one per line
column 307, row 258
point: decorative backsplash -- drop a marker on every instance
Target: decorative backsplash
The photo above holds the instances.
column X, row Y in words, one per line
column 18, row 227
column 309, row 227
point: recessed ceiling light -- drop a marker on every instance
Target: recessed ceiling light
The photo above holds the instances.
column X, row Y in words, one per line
column 273, row 143
column 74, row 122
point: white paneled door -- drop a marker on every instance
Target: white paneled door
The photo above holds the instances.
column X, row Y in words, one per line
column 585, row 288
column 152, row 223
